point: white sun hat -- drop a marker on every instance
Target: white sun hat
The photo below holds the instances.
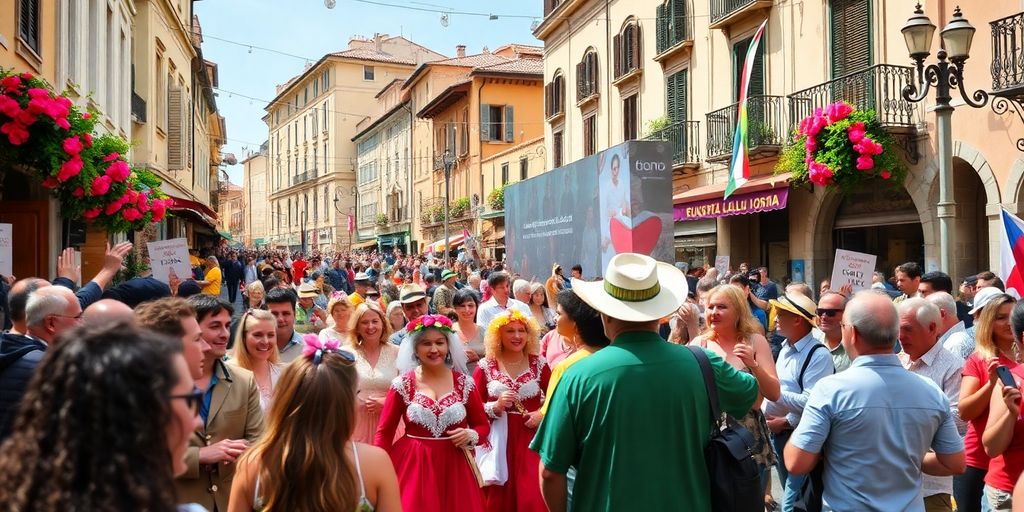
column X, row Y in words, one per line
column 636, row 288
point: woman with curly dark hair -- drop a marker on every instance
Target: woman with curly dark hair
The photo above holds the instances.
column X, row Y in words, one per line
column 88, row 437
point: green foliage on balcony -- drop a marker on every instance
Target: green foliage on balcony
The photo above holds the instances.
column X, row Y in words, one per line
column 496, row 199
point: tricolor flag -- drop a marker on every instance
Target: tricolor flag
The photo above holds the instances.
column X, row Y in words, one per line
column 1011, row 254
column 739, row 168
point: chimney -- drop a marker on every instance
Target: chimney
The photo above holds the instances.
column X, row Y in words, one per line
column 460, row 51
column 378, row 40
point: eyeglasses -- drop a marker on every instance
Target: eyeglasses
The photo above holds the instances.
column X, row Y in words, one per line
column 828, row 312
column 192, row 400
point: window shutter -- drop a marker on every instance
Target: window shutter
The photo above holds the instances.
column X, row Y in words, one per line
column 581, row 78
column 637, row 48
column 29, row 21
column 661, row 30
column 617, row 64
column 757, row 85
column 189, row 124
column 175, row 157
column 510, row 131
column 671, row 93
column 851, row 36
column 547, row 100
column 485, row 122
column 678, row 21
column 559, row 94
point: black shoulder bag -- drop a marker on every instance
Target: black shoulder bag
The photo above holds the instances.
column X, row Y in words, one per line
column 735, row 478
column 811, row 492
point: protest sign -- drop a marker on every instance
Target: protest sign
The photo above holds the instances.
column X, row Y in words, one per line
column 6, row 249
column 722, row 264
column 853, row 268
column 165, row 255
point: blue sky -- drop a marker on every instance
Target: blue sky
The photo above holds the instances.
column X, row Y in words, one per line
column 308, row 29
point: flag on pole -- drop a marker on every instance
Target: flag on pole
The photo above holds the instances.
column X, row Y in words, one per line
column 739, row 168
column 1011, row 254
column 351, row 224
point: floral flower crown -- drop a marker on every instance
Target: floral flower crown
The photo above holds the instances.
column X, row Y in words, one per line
column 315, row 348
column 508, row 317
column 440, row 322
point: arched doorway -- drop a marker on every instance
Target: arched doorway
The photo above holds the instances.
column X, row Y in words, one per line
column 972, row 225
column 880, row 220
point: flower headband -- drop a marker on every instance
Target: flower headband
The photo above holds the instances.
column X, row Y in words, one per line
column 316, row 348
column 508, row 317
column 440, row 322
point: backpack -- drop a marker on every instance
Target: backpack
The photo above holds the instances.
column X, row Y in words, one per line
column 735, row 478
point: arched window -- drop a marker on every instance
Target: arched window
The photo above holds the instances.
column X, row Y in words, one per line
column 554, row 96
column 627, row 49
column 586, row 76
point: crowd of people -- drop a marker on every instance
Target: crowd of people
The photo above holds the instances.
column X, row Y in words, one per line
column 364, row 381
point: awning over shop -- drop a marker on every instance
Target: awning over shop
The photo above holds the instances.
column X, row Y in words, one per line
column 438, row 246
column 227, row 236
column 194, row 210
column 760, row 194
column 364, row 245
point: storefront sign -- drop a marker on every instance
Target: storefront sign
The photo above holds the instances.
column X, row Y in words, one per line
column 854, row 269
column 165, row 255
column 6, row 249
column 737, row 204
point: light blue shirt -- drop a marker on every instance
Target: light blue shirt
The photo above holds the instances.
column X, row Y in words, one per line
column 875, row 422
column 791, row 359
column 293, row 349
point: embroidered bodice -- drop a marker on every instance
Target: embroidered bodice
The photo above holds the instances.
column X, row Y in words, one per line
column 374, row 381
column 529, row 386
column 427, row 417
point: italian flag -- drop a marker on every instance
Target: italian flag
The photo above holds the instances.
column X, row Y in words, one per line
column 739, row 168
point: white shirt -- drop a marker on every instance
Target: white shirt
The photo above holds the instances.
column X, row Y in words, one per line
column 490, row 309
column 957, row 341
column 943, row 368
column 791, row 359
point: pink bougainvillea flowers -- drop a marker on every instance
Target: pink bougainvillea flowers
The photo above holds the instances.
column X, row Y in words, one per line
column 70, row 169
column 119, row 171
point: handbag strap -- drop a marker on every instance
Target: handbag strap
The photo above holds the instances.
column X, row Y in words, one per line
column 709, row 381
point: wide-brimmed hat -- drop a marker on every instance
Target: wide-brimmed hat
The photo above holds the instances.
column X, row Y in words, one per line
column 308, row 291
column 447, row 274
column 798, row 304
column 411, row 293
column 984, row 296
column 635, row 288
column 362, row 277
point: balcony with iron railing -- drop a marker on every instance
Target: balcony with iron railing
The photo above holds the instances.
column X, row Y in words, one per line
column 138, row 108
column 674, row 30
column 586, row 90
column 878, row 88
column 685, row 139
column 767, row 126
column 727, row 12
column 1008, row 56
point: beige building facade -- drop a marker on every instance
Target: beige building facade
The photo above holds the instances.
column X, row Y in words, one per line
column 312, row 157
column 254, row 193
column 616, row 71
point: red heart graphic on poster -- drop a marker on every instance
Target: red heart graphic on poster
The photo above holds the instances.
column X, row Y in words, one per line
column 640, row 239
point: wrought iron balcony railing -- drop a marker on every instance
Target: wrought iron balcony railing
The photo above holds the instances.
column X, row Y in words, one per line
column 723, row 9
column 877, row 88
column 672, row 27
column 138, row 108
column 684, row 136
column 585, row 89
column 766, row 123
column 1008, row 54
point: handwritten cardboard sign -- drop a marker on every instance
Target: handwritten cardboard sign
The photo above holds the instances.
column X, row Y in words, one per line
column 6, row 249
column 165, row 255
column 853, row 268
column 722, row 264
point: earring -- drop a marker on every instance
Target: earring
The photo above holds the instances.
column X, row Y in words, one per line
column 448, row 358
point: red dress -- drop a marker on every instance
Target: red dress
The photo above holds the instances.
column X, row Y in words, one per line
column 433, row 474
column 521, row 493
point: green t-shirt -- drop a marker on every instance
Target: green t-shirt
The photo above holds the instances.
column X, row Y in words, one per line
column 633, row 420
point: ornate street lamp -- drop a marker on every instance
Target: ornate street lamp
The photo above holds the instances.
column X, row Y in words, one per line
column 945, row 75
column 338, row 192
column 449, row 161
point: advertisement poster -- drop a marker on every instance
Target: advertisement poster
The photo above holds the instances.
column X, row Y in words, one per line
column 853, row 268
column 6, row 249
column 165, row 255
column 586, row 212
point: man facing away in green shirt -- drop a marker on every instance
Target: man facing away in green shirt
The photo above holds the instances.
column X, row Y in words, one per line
column 633, row 418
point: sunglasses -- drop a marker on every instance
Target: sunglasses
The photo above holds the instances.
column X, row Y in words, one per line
column 828, row 312
column 192, row 400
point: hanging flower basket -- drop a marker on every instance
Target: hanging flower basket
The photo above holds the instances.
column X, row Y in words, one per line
column 841, row 147
column 45, row 133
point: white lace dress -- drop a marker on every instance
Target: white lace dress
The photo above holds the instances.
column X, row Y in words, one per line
column 374, row 382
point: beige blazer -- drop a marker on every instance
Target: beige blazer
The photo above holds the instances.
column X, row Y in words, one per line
column 234, row 414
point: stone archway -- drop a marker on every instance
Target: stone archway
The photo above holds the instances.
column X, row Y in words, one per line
column 970, row 156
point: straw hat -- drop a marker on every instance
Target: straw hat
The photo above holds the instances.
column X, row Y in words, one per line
column 798, row 304
column 636, row 288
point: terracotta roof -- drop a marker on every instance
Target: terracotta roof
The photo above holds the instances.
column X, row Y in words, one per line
column 473, row 61
column 374, row 55
column 516, row 66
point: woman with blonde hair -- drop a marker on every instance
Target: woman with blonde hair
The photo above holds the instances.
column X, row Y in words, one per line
column 396, row 317
column 513, row 377
column 256, row 351
column 254, row 295
column 339, row 311
column 338, row 473
column 995, row 346
column 376, row 359
column 734, row 333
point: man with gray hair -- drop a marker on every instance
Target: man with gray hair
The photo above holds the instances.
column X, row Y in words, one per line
column 49, row 311
column 952, row 331
column 924, row 355
column 521, row 290
column 903, row 419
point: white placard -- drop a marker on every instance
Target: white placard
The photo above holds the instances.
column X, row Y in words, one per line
column 853, row 268
column 165, row 255
column 722, row 264
column 6, row 249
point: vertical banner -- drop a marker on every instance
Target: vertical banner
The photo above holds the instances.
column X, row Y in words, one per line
column 586, row 212
column 167, row 255
column 739, row 168
column 6, row 249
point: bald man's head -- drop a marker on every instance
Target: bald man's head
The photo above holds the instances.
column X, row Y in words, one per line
column 17, row 298
column 106, row 311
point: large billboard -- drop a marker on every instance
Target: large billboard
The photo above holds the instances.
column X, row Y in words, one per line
column 619, row 200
